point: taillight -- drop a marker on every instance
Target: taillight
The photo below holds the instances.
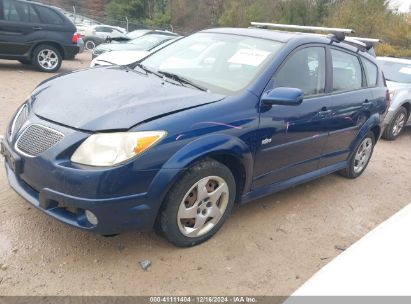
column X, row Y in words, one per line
column 76, row 37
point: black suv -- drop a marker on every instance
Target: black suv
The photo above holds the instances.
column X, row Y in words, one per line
column 37, row 34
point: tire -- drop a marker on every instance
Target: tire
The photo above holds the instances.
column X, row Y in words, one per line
column 209, row 211
column 25, row 61
column 396, row 125
column 47, row 58
column 360, row 158
column 90, row 44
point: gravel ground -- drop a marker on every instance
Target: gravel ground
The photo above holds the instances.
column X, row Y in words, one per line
column 269, row 247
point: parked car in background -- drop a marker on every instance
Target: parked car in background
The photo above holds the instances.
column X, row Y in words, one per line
column 397, row 72
column 108, row 31
column 94, row 35
column 170, row 147
column 126, row 57
column 37, row 34
column 143, row 43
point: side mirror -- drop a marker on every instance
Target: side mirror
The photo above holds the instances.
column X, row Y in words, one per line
column 283, row 97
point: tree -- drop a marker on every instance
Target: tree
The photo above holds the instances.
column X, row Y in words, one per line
column 153, row 12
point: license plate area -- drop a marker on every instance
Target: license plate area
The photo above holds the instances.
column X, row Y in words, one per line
column 13, row 160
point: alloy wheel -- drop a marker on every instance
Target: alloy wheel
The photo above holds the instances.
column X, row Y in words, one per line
column 48, row 59
column 398, row 124
column 363, row 155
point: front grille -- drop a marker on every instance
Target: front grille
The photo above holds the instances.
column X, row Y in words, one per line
column 19, row 120
column 37, row 139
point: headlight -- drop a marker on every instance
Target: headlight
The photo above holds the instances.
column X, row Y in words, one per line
column 109, row 149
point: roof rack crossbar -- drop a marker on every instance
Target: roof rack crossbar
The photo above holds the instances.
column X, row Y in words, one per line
column 369, row 40
column 303, row 28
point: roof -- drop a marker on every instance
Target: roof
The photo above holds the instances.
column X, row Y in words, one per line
column 280, row 36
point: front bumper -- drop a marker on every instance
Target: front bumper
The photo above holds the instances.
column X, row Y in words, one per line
column 65, row 193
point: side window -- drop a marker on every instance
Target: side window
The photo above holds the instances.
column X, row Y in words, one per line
column 371, row 72
column 49, row 16
column 15, row 11
column 34, row 17
column 305, row 70
column 1, row 10
column 347, row 73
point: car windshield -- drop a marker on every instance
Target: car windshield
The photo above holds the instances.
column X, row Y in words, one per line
column 136, row 34
column 396, row 71
column 148, row 42
column 219, row 62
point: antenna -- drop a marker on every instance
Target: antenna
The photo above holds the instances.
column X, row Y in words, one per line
column 303, row 28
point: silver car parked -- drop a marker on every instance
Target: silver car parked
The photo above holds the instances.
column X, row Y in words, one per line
column 398, row 75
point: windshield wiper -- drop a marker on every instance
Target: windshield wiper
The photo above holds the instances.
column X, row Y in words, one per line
column 182, row 80
column 147, row 70
column 391, row 80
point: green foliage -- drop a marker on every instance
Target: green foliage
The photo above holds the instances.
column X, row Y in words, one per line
column 151, row 12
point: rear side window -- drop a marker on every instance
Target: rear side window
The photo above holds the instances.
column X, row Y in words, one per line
column 49, row 16
column 305, row 70
column 347, row 72
column 371, row 72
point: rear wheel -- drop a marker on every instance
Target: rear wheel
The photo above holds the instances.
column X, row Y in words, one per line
column 396, row 125
column 198, row 204
column 47, row 58
column 361, row 157
column 89, row 44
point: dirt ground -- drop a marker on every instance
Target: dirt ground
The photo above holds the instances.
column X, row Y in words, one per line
column 269, row 247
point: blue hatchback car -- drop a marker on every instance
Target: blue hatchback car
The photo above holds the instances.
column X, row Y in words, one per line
column 223, row 116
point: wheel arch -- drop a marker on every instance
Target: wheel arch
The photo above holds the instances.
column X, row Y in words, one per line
column 373, row 125
column 407, row 105
column 51, row 43
column 229, row 150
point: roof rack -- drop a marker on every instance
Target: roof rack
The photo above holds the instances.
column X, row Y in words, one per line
column 367, row 43
column 335, row 33
column 303, row 28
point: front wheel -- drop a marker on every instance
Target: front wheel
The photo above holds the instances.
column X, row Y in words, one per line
column 361, row 157
column 198, row 204
column 396, row 125
column 47, row 58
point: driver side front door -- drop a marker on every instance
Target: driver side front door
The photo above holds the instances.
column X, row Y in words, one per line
column 292, row 138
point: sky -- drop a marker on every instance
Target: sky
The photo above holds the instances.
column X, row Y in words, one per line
column 402, row 5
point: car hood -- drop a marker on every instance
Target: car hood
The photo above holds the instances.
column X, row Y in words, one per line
column 122, row 57
column 112, row 98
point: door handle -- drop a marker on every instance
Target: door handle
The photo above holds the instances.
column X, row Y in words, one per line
column 37, row 28
column 366, row 102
